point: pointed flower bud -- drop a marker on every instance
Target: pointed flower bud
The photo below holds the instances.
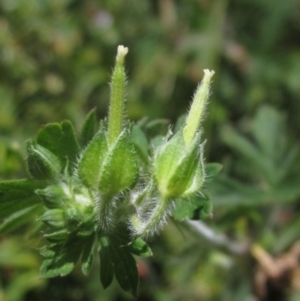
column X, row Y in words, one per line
column 54, row 218
column 53, row 196
column 178, row 166
column 109, row 162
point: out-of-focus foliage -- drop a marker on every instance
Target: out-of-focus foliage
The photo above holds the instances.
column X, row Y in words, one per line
column 19, row 269
column 55, row 62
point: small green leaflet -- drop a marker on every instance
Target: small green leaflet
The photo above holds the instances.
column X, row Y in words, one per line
column 116, row 259
column 212, row 170
column 61, row 258
column 196, row 207
column 140, row 248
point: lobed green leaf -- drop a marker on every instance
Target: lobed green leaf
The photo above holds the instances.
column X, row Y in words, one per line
column 61, row 140
column 62, row 258
column 140, row 248
column 125, row 269
column 16, row 195
column 116, row 259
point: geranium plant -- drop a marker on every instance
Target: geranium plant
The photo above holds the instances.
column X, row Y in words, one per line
column 103, row 192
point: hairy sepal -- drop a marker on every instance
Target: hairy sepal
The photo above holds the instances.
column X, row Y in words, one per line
column 120, row 168
column 90, row 163
column 178, row 169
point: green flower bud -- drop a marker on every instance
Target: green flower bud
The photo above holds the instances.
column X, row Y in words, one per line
column 178, row 166
column 81, row 221
column 179, row 169
column 109, row 162
column 71, row 206
column 41, row 163
column 57, row 236
column 63, row 195
column 53, row 196
column 54, row 217
column 74, row 218
column 109, row 168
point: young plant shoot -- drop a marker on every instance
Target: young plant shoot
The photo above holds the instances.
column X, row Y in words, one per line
column 95, row 194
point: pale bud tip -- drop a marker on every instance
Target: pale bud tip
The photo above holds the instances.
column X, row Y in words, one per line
column 122, row 51
column 209, row 73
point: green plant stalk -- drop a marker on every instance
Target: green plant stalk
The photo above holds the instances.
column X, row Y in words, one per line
column 105, row 214
column 144, row 194
column 117, row 97
column 197, row 108
column 155, row 220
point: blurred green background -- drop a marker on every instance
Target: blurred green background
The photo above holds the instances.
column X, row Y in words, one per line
column 56, row 57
